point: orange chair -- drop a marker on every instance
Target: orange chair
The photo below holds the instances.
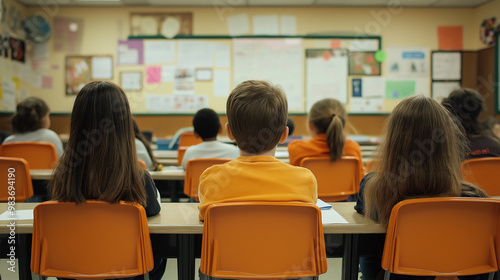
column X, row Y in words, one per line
column 180, row 154
column 444, row 236
column 188, row 139
column 39, row 155
column 482, row 172
column 16, row 174
column 263, row 240
column 142, row 164
column 194, row 168
column 336, row 180
column 90, row 240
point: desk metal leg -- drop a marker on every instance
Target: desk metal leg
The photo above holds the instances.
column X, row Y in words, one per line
column 185, row 259
column 24, row 257
column 350, row 261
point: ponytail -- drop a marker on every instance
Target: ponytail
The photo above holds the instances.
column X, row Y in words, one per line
column 335, row 137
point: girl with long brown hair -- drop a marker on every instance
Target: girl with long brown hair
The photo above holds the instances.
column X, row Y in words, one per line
column 100, row 160
column 419, row 157
column 326, row 123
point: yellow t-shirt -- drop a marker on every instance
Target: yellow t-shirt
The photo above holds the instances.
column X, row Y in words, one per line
column 255, row 178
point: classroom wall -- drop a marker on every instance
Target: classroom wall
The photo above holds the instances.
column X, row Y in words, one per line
column 103, row 27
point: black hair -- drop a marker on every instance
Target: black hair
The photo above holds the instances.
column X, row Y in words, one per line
column 466, row 105
column 29, row 115
column 206, row 123
column 291, row 126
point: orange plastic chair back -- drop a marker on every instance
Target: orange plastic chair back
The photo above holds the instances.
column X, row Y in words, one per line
column 90, row 240
column 194, row 168
column 336, row 180
column 142, row 164
column 482, row 172
column 263, row 240
column 187, row 139
column 180, row 154
column 17, row 180
column 444, row 236
column 39, row 155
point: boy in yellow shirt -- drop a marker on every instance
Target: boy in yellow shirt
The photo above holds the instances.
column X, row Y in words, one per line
column 257, row 114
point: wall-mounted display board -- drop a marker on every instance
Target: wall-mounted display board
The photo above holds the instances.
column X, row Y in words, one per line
column 446, row 73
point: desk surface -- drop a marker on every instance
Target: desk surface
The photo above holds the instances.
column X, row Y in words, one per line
column 182, row 218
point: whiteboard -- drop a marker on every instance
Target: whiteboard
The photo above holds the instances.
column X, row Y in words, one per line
column 279, row 61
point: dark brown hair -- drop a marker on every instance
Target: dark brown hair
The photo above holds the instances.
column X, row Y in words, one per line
column 29, row 115
column 100, row 160
column 138, row 135
column 420, row 157
column 328, row 117
column 257, row 114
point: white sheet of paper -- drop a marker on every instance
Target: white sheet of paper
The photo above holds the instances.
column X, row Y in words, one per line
column 222, row 83
column 203, row 74
column 331, row 216
column 238, row 25
column 159, row 51
column 373, row 86
column 18, row 215
column 195, row 54
column 441, row 90
column 288, row 25
column 323, row 205
column 102, row 68
column 131, row 80
column 167, row 73
column 367, row 105
column 128, row 56
column 222, row 55
column 447, row 66
column 265, row 25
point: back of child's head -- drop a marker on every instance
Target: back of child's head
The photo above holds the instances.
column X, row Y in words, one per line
column 419, row 157
column 257, row 113
column 291, row 126
column 206, row 123
column 466, row 105
column 328, row 117
column 29, row 115
column 100, row 160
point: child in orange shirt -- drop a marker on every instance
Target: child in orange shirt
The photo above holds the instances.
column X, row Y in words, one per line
column 257, row 115
column 326, row 126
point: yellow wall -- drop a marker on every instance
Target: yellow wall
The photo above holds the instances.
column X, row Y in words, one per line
column 103, row 27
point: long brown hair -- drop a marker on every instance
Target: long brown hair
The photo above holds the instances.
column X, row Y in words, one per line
column 100, row 160
column 328, row 116
column 420, row 157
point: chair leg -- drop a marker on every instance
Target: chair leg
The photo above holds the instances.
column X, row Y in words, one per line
column 35, row 276
column 387, row 275
column 146, row 276
column 491, row 275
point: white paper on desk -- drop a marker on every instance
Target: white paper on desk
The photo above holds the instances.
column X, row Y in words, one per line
column 18, row 215
column 238, row 25
column 323, row 205
column 331, row 216
column 265, row 25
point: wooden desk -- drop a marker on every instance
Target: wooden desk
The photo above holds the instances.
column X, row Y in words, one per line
column 181, row 219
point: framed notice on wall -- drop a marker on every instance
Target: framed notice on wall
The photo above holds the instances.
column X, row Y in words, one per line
column 131, row 81
column 78, row 73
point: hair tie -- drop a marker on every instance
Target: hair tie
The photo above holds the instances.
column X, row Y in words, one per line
column 332, row 116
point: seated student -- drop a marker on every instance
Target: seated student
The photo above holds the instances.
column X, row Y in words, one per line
column 466, row 105
column 420, row 156
column 206, row 125
column 31, row 123
column 144, row 151
column 491, row 127
column 327, row 120
column 105, row 167
column 257, row 113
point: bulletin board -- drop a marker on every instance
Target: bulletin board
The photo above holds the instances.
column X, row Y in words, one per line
column 182, row 75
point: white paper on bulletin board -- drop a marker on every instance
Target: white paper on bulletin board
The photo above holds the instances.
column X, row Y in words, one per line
column 446, row 65
column 326, row 75
column 279, row 61
column 407, row 62
column 441, row 90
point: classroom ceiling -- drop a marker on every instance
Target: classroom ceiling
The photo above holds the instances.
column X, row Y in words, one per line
column 259, row 3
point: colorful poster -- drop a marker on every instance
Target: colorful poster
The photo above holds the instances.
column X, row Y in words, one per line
column 407, row 62
column 363, row 63
column 130, row 52
column 153, row 75
column 78, row 73
column 18, row 49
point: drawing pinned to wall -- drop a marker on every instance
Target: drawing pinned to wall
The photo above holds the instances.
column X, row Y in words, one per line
column 367, row 105
column 184, row 81
column 407, row 62
column 161, row 24
column 67, row 34
column 161, row 103
column 130, row 52
column 18, row 49
column 78, row 73
column 102, row 67
column 363, row 63
column 131, row 80
column 153, row 75
column 487, row 31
